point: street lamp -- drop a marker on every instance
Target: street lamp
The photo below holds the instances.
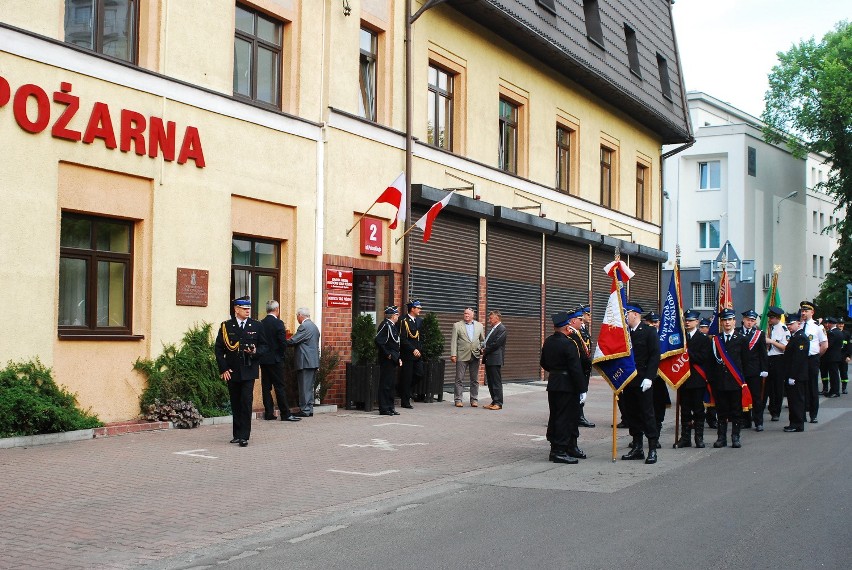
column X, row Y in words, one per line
column 787, row 197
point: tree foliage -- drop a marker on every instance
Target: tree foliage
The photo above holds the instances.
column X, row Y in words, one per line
column 809, row 108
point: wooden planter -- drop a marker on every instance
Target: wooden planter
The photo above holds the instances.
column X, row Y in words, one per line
column 430, row 387
column 362, row 386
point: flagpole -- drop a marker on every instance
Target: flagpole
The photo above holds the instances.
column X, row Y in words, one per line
column 614, row 428
column 406, row 233
column 677, row 391
column 362, row 217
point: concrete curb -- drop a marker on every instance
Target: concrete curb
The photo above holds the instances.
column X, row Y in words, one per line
column 121, row 429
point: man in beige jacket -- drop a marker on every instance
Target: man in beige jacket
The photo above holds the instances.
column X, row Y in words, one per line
column 465, row 352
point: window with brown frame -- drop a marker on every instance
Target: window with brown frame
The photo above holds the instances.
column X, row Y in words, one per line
column 642, row 209
column 255, row 270
column 109, row 27
column 606, row 176
column 563, row 158
column 257, row 56
column 508, row 151
column 440, row 112
column 368, row 74
column 95, row 275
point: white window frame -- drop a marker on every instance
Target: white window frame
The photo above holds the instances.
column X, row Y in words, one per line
column 703, row 231
column 709, row 187
column 704, row 296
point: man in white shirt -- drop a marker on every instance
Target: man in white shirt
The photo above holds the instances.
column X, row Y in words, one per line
column 465, row 352
column 776, row 342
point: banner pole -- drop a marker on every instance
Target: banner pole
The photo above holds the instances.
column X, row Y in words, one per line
column 349, row 231
column 677, row 416
column 614, row 429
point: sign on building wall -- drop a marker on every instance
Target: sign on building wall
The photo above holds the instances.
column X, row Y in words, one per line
column 338, row 280
column 191, row 287
column 372, row 240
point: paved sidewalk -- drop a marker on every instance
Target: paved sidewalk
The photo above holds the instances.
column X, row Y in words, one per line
column 147, row 498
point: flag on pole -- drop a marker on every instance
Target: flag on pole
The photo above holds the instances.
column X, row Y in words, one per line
column 395, row 196
column 773, row 299
column 613, row 353
column 425, row 223
column 674, row 359
column 725, row 301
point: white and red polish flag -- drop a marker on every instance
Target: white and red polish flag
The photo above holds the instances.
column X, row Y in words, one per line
column 425, row 223
column 395, row 196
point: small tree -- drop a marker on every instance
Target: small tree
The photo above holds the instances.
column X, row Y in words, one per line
column 364, row 350
column 329, row 359
column 433, row 338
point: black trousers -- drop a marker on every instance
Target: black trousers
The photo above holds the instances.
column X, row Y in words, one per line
column 833, row 370
column 562, row 425
column 812, row 386
column 406, row 379
column 844, row 371
column 242, row 394
column 691, row 406
column 272, row 378
column 494, row 378
column 729, row 406
column 662, row 400
column 639, row 411
column 757, row 389
column 775, row 385
column 387, row 378
column 796, row 403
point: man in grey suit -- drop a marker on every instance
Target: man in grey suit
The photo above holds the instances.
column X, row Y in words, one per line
column 306, row 341
column 492, row 356
column 465, row 349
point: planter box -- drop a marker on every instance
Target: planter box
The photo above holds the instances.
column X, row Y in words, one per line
column 362, row 386
column 430, row 387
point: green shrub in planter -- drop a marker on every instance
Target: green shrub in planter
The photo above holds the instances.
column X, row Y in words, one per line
column 329, row 359
column 183, row 415
column 433, row 338
column 364, row 350
column 187, row 372
column 31, row 402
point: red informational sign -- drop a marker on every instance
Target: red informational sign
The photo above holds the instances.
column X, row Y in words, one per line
column 372, row 236
column 338, row 280
column 343, row 300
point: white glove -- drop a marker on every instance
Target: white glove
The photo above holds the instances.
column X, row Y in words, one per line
column 646, row 385
column 764, row 374
column 791, row 381
column 583, row 397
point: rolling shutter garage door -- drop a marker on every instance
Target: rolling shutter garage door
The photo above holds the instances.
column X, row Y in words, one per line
column 445, row 270
column 566, row 277
column 601, row 285
column 513, row 271
column 645, row 285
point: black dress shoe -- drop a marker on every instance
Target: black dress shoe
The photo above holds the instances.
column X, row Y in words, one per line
column 773, row 419
column 243, row 443
column 652, row 456
column 304, row 415
column 814, row 421
column 585, row 423
column 408, row 406
column 291, row 418
column 386, row 413
column 635, row 453
column 269, row 417
column 758, row 428
column 562, row 457
column 575, row 452
column 834, row 395
column 394, row 413
column 621, row 425
column 791, row 429
column 235, row 440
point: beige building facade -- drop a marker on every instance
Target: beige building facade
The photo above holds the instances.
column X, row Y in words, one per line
column 161, row 157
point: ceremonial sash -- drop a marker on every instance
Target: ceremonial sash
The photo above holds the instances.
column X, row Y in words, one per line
column 709, row 400
column 722, row 356
column 755, row 335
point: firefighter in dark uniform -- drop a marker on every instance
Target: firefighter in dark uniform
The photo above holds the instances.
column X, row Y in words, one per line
column 585, row 334
column 387, row 341
column 662, row 400
column 239, row 344
column 832, row 357
column 637, row 395
column 560, row 357
column 755, row 368
column 410, row 349
column 709, row 411
column 847, row 355
column 691, row 392
column 727, row 388
column 797, row 373
column 575, row 325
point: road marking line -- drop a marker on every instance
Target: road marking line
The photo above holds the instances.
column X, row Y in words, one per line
column 377, row 474
column 382, row 444
column 396, row 424
column 194, row 453
column 534, row 437
column 320, row 532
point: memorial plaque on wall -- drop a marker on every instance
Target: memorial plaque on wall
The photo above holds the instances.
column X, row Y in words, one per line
column 192, row 287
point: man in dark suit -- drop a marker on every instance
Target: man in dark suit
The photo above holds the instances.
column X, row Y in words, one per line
column 239, row 344
column 410, row 347
column 586, row 335
column 387, row 341
column 797, row 373
column 306, row 341
column 728, row 386
column 833, row 356
column 691, row 392
column 272, row 365
column 637, row 395
column 492, row 355
column 560, row 357
column 755, row 367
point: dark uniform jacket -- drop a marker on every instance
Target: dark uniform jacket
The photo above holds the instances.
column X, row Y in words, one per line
column 847, row 343
column 646, row 353
column 737, row 350
column 495, row 346
column 410, row 336
column 276, row 339
column 700, row 350
column 387, row 341
column 585, row 357
column 834, row 352
column 755, row 358
column 560, row 357
column 229, row 349
column 796, row 357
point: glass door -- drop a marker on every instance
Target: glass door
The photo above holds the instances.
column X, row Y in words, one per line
column 373, row 292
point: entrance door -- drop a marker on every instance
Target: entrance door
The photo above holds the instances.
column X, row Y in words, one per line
column 373, row 292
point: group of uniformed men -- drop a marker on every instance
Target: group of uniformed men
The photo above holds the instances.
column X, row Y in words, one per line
column 789, row 362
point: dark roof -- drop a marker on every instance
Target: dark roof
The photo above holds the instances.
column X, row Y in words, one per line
column 560, row 41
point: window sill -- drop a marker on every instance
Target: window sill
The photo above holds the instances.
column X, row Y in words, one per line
column 100, row 337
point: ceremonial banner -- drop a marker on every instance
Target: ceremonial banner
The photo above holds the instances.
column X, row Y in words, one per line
column 674, row 359
column 773, row 299
column 613, row 353
column 725, row 301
